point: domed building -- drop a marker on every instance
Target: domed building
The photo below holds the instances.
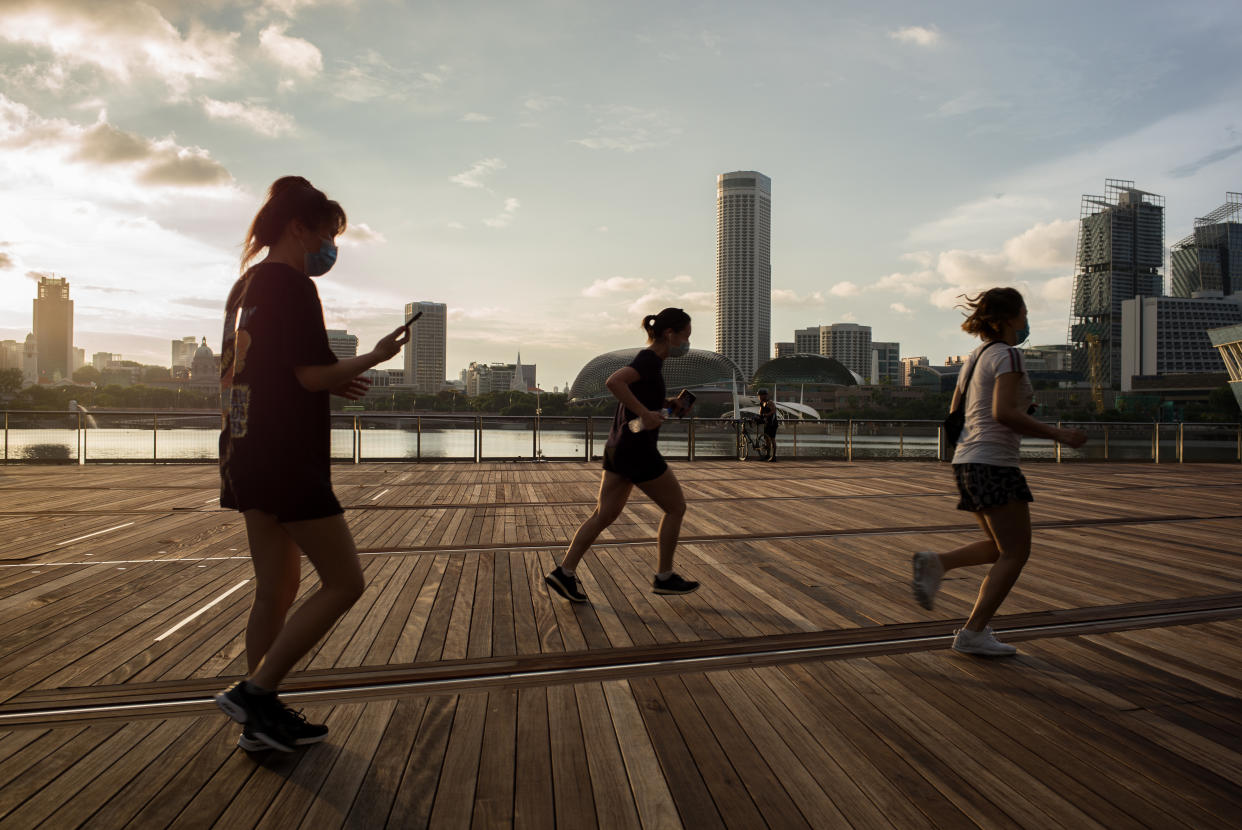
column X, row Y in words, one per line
column 204, row 368
column 702, row 372
column 804, row 370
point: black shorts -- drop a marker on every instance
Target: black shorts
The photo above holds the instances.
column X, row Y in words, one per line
column 982, row 486
column 291, row 505
column 637, row 465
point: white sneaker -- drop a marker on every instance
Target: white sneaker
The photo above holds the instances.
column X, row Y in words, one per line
column 983, row 643
column 927, row 574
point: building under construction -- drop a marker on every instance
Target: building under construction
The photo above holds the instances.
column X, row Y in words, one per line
column 1210, row 259
column 1120, row 256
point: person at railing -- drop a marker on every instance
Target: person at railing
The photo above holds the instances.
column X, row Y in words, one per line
column 770, row 419
column 632, row 458
column 997, row 408
column 276, row 374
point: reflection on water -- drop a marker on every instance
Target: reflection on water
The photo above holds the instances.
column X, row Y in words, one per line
column 710, row 441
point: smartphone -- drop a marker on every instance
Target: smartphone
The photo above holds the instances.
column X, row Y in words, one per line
column 687, row 400
column 411, row 321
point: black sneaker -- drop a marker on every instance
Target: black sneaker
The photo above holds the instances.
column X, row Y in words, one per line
column 565, row 585
column 247, row 741
column 301, row 730
column 263, row 714
column 673, row 585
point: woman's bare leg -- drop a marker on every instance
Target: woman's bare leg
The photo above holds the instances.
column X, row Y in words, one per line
column 665, row 491
column 614, row 491
column 975, row 553
column 1010, row 526
column 277, row 573
column 330, row 548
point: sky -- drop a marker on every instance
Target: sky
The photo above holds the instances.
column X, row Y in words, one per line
column 548, row 168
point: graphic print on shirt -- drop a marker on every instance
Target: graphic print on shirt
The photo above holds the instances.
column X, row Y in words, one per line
column 234, row 396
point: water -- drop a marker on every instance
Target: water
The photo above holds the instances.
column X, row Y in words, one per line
column 401, row 440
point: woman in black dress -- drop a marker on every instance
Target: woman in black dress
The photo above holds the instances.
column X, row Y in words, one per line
column 632, row 459
column 276, row 373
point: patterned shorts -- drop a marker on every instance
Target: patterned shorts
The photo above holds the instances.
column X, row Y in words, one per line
column 985, row 485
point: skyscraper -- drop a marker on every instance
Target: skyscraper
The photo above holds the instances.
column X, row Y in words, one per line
column 342, row 343
column 1210, row 259
column 183, row 352
column 744, row 268
column 53, row 329
column 425, row 353
column 1120, row 257
column 849, row 344
column 806, row 341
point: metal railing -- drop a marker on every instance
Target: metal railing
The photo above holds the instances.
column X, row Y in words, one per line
column 193, row 436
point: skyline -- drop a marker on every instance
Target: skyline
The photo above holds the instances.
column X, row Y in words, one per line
column 552, row 184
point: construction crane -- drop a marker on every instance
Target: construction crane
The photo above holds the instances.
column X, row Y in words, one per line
column 1095, row 372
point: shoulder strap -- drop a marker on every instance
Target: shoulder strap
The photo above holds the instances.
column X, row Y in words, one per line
column 970, row 374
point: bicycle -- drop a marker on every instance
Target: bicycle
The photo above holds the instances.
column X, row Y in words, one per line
column 752, row 439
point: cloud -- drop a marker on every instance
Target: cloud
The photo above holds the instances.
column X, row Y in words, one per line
column 615, row 285
column 476, row 118
column 478, row 172
column 359, row 234
column 300, row 57
column 255, row 117
column 7, row 262
column 901, row 308
column 43, row 145
column 370, row 76
column 630, row 129
column 792, row 299
column 542, row 103
column 457, row 226
column 122, row 41
column 1186, row 170
column 845, row 288
column 917, row 35
column 1046, row 245
column 914, row 283
column 505, row 217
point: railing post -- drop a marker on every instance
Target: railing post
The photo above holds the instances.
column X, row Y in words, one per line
column 849, row 440
column 1105, row 440
column 478, row 439
column 901, row 440
column 1057, row 444
column 1181, row 442
column 940, row 443
column 6, row 435
column 795, row 430
column 690, row 439
column 356, row 442
column 1155, row 444
column 155, row 437
column 418, row 446
column 81, row 442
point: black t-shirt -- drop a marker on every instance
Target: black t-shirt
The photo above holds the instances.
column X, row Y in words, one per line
column 275, row 434
column 649, row 389
column 767, row 413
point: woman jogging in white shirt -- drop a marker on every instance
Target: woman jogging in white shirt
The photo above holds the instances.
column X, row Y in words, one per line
column 985, row 465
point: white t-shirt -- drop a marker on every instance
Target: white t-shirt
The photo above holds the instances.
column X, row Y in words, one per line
column 985, row 440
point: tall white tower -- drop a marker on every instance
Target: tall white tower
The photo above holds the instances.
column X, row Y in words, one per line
column 425, row 353
column 744, row 268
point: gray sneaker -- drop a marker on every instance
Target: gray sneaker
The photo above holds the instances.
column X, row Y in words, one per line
column 982, row 643
column 927, row 574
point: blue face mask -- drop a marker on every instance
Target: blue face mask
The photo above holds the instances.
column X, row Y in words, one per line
column 1024, row 333
column 320, row 262
column 680, row 350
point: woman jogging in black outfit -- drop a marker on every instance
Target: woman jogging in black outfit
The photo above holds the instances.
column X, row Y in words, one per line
column 632, row 459
column 276, row 373
column 997, row 397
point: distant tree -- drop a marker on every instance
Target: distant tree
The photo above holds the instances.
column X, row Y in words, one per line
column 10, row 381
column 86, row 375
column 154, row 373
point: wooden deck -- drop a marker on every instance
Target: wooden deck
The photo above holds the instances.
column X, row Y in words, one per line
column 800, row 687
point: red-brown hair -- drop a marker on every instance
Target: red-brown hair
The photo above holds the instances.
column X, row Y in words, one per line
column 290, row 198
column 990, row 310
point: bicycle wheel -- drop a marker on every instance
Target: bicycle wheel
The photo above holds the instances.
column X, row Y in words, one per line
column 767, row 447
column 743, row 445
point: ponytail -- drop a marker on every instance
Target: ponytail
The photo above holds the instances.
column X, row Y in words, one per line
column 290, row 198
column 670, row 318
